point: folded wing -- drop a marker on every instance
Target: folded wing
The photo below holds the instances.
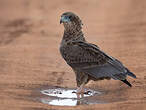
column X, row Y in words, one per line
column 88, row 58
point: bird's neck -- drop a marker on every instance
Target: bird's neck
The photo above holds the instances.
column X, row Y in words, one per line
column 73, row 35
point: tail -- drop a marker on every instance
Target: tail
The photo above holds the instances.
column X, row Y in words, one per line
column 126, row 82
column 130, row 73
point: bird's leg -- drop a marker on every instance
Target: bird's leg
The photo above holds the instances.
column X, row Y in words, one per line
column 81, row 79
column 80, row 91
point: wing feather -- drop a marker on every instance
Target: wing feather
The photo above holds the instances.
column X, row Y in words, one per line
column 88, row 58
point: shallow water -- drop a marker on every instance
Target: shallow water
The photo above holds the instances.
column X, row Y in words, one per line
column 68, row 97
column 64, row 93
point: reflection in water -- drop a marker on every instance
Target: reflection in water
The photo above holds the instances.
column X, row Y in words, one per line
column 63, row 97
column 60, row 102
column 68, row 102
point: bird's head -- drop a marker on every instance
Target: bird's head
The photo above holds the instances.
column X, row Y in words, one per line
column 71, row 21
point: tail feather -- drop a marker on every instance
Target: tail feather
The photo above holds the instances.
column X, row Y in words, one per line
column 130, row 73
column 126, row 82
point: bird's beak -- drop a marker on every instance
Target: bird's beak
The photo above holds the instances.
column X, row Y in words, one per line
column 61, row 21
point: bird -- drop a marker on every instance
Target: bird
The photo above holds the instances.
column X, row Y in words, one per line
column 86, row 59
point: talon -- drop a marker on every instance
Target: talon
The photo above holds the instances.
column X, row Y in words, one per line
column 80, row 92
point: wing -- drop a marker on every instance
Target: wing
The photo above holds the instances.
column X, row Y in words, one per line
column 88, row 58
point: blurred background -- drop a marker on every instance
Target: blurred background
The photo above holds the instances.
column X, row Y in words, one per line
column 30, row 36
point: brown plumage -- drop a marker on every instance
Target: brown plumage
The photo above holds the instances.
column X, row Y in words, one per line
column 86, row 59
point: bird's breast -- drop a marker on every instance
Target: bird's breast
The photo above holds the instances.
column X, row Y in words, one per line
column 69, row 52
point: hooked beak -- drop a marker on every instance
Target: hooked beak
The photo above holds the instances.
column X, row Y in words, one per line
column 61, row 21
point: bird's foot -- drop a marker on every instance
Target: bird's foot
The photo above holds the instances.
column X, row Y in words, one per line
column 80, row 92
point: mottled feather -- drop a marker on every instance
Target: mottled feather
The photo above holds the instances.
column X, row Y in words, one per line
column 86, row 59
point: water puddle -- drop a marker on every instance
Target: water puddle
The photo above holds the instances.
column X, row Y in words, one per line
column 68, row 97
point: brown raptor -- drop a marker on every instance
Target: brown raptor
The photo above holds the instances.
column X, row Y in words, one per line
column 86, row 59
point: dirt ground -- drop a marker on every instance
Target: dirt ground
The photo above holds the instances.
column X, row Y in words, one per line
column 30, row 35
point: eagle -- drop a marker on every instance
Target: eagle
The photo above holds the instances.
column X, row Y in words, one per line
column 87, row 60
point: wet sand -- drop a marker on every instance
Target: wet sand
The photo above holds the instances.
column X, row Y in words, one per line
column 30, row 60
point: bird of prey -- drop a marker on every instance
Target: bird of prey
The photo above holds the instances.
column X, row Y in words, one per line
column 87, row 60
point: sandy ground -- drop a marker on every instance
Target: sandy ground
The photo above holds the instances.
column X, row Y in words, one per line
column 30, row 35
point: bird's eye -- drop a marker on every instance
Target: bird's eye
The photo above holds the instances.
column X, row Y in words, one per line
column 70, row 17
column 66, row 17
